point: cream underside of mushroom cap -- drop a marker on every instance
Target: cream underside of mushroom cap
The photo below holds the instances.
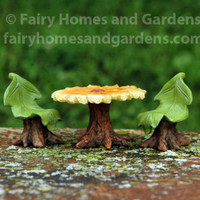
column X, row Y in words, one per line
column 128, row 94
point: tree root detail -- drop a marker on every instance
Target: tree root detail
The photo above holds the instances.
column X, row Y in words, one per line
column 166, row 137
column 36, row 134
column 100, row 131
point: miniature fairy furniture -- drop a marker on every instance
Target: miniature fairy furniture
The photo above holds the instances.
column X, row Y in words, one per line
column 174, row 98
column 21, row 96
column 99, row 131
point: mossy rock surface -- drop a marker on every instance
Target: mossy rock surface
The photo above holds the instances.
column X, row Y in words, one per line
column 64, row 172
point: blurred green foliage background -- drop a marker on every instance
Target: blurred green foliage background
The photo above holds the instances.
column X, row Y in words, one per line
column 53, row 67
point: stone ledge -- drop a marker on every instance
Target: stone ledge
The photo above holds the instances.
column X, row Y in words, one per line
column 64, row 172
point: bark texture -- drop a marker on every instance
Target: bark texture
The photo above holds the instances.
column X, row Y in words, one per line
column 100, row 131
column 36, row 134
column 166, row 137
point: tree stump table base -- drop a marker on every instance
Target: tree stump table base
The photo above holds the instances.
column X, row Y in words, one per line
column 100, row 132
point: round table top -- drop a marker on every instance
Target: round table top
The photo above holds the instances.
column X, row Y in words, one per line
column 97, row 94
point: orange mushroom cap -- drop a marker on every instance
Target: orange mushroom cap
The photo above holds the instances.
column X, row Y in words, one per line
column 97, row 94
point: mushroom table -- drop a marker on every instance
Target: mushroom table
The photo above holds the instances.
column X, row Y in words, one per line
column 99, row 131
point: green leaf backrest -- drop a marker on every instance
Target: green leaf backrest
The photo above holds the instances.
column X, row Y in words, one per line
column 174, row 98
column 21, row 95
